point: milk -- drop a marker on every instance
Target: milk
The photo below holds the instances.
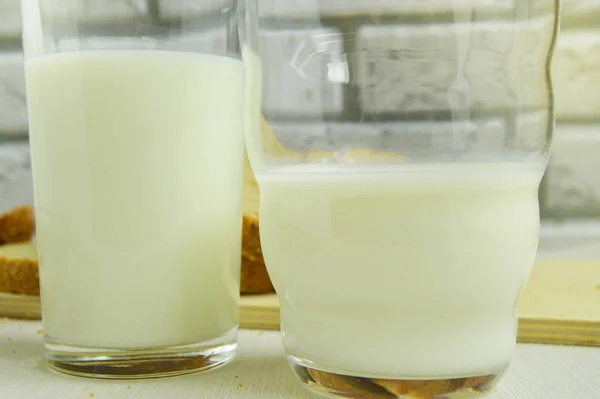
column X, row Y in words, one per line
column 409, row 271
column 138, row 162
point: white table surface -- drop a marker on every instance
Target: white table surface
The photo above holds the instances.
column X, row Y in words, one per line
column 261, row 372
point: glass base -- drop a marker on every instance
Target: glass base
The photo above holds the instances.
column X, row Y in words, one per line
column 345, row 386
column 139, row 363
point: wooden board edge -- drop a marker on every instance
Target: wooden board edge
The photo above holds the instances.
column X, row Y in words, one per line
column 532, row 329
column 20, row 306
column 558, row 339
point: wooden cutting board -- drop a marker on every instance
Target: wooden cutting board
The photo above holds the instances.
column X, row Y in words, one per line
column 560, row 305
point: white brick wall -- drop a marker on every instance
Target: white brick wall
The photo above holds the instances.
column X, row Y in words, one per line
column 573, row 179
column 213, row 40
column 13, row 114
column 99, row 43
column 16, row 186
column 486, row 9
column 15, row 161
column 303, row 137
column 572, row 182
column 472, row 138
column 10, row 18
column 481, row 66
column 298, row 81
column 312, row 65
column 576, row 75
column 303, row 8
column 576, row 8
column 183, row 9
column 531, row 130
column 412, row 139
column 104, row 11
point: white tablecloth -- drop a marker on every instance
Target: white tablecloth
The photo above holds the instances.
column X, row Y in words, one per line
column 260, row 372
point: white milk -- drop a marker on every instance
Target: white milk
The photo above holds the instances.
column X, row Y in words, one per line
column 409, row 272
column 138, row 161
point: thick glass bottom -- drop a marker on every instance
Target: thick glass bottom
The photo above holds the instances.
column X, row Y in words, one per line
column 140, row 363
column 335, row 385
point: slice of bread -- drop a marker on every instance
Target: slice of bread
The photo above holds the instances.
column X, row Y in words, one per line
column 17, row 225
column 254, row 276
column 18, row 255
column 19, row 269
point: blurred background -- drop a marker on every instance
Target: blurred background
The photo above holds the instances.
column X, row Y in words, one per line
column 570, row 192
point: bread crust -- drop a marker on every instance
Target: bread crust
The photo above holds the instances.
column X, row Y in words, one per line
column 254, row 276
column 17, row 225
column 19, row 274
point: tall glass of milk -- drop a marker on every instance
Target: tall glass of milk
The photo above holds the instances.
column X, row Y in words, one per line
column 135, row 113
column 399, row 157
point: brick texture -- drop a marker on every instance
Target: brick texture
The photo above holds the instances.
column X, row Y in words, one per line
column 576, row 75
column 441, row 67
column 186, row 9
column 302, row 77
column 440, row 138
column 531, row 131
column 13, row 112
column 97, row 11
column 305, row 137
column 576, row 8
column 475, row 69
column 210, row 40
column 15, row 161
column 573, row 178
column 337, row 8
column 412, row 139
column 10, row 18
column 16, row 186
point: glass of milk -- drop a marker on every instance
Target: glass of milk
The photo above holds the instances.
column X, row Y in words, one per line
column 137, row 148
column 399, row 155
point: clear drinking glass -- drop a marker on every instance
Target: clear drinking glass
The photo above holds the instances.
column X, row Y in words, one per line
column 399, row 160
column 137, row 149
